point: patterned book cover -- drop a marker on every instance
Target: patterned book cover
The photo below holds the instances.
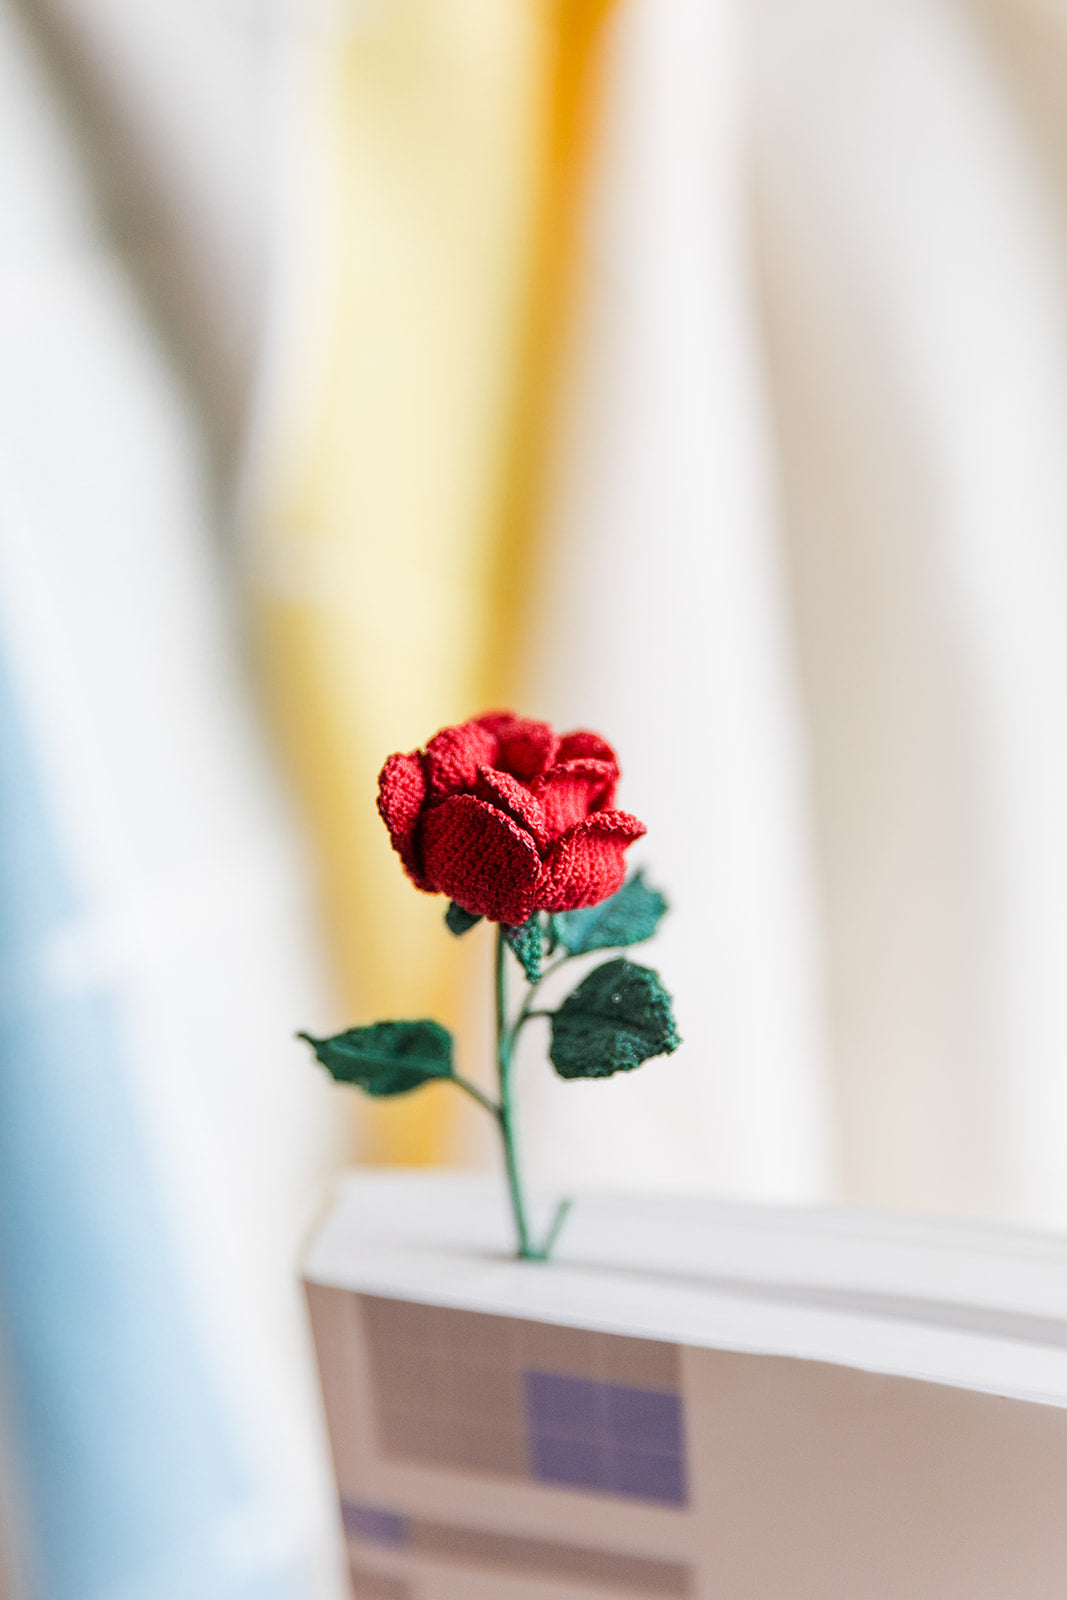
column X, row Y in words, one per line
column 491, row 1456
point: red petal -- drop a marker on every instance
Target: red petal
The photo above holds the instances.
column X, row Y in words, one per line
column 584, row 743
column 454, row 755
column 571, row 790
column 401, row 794
column 509, row 795
column 526, row 747
column 493, row 721
column 481, row 859
column 589, row 863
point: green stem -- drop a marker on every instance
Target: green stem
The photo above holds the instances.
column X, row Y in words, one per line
column 562, row 1212
column 476, row 1094
column 526, row 1011
column 505, row 1042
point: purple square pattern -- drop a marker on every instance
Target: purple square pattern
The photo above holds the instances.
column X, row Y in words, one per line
column 607, row 1437
column 374, row 1524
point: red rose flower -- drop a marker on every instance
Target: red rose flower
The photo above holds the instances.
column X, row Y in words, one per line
column 507, row 818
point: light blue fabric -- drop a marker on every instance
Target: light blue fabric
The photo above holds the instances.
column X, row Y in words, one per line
column 124, row 1452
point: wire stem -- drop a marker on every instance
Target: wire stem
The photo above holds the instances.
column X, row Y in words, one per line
column 505, row 1042
column 476, row 1094
column 504, row 1112
column 553, row 1233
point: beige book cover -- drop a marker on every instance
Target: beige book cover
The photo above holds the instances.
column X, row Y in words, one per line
column 693, row 1399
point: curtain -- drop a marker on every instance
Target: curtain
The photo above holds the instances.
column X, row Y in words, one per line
column 801, row 440
column 662, row 617
column 807, row 554
column 161, row 1142
column 438, row 152
column 908, row 197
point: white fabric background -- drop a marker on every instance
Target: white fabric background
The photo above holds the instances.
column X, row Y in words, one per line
column 811, row 541
column 664, row 623
column 116, row 632
column 812, row 450
column 913, row 281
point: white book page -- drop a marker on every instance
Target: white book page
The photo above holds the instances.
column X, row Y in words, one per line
column 977, row 1308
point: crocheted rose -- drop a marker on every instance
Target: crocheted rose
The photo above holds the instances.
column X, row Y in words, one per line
column 508, row 818
column 517, row 823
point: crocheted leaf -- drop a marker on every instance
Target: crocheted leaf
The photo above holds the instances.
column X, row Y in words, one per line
column 619, row 1016
column 527, row 943
column 388, row 1057
column 627, row 917
column 458, row 921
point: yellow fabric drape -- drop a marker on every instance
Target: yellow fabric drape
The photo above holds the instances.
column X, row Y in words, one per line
column 396, row 498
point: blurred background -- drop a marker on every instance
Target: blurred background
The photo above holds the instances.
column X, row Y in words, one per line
column 692, row 370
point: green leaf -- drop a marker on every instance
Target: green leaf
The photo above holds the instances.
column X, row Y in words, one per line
column 627, row 917
column 527, row 944
column 388, row 1057
column 458, row 921
column 619, row 1016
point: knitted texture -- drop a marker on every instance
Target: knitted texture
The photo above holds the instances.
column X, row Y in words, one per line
column 387, row 1058
column 618, row 1017
column 629, row 917
column 527, row 944
column 458, row 921
column 507, row 818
